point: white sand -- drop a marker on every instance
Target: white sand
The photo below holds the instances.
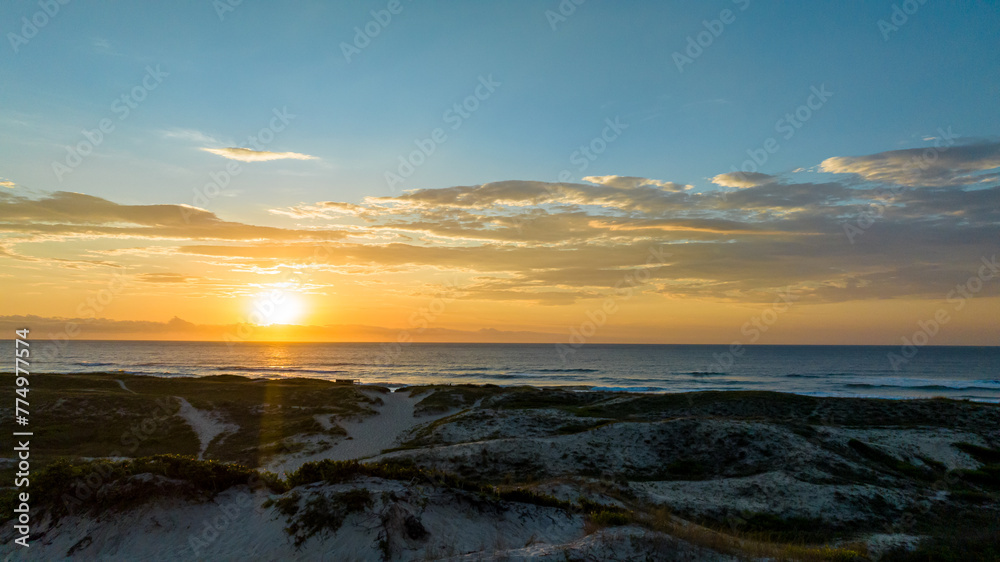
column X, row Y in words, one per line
column 368, row 436
column 205, row 425
column 234, row 526
column 121, row 383
column 617, row 543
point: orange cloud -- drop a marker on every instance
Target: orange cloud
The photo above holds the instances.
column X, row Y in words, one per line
column 248, row 155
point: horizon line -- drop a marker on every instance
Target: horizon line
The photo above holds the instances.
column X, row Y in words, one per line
column 411, row 343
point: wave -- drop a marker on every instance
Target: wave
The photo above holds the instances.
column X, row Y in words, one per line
column 819, row 376
column 164, row 374
column 630, row 389
column 94, row 364
column 536, row 373
column 927, row 384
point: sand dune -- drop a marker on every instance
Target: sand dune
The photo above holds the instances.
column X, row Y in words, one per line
column 490, row 473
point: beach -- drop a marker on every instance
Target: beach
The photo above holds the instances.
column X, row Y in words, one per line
column 227, row 468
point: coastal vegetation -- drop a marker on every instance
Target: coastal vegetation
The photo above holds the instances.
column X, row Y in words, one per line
column 742, row 474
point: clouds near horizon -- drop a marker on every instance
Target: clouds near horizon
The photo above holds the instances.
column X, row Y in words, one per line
column 562, row 243
column 941, row 165
column 248, row 155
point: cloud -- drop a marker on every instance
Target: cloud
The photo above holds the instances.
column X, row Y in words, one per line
column 781, row 197
column 248, row 155
column 934, row 167
column 178, row 328
column 190, row 135
column 75, row 214
column 632, row 182
column 644, row 196
column 557, row 243
column 323, row 209
column 7, row 183
column 532, row 240
column 165, row 278
column 743, row 179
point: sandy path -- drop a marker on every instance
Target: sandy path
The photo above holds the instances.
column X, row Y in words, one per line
column 121, row 383
column 372, row 434
column 204, row 425
column 368, row 436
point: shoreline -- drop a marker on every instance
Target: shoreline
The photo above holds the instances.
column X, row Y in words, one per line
column 652, row 390
column 841, row 371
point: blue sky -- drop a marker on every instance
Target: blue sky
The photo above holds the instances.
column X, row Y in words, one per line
column 526, row 157
column 605, row 60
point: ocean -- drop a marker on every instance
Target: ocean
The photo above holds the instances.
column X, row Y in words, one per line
column 869, row 371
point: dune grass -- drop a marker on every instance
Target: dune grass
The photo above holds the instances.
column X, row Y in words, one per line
column 65, row 487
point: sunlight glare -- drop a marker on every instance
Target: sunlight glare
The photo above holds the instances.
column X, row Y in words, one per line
column 276, row 307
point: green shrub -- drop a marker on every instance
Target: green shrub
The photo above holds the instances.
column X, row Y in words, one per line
column 687, row 469
column 63, row 486
column 521, row 495
column 338, row 472
column 287, row 505
column 889, row 461
column 321, row 514
column 985, row 477
column 610, row 518
column 984, row 455
column 968, row 545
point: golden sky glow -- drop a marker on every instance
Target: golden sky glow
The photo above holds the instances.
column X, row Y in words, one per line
column 609, row 260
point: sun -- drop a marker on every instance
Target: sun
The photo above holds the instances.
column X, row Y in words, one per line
column 276, row 307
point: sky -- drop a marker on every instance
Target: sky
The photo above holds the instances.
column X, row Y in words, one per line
column 734, row 171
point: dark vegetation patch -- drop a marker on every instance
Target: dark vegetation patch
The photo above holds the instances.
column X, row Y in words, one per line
column 528, row 397
column 322, row 513
column 340, row 472
column 610, row 518
column 955, row 538
column 986, row 477
column 985, row 455
column 783, row 529
column 795, row 409
column 579, row 427
column 686, row 469
column 441, row 397
column 887, row 461
column 64, row 487
column 91, row 415
column 424, row 436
